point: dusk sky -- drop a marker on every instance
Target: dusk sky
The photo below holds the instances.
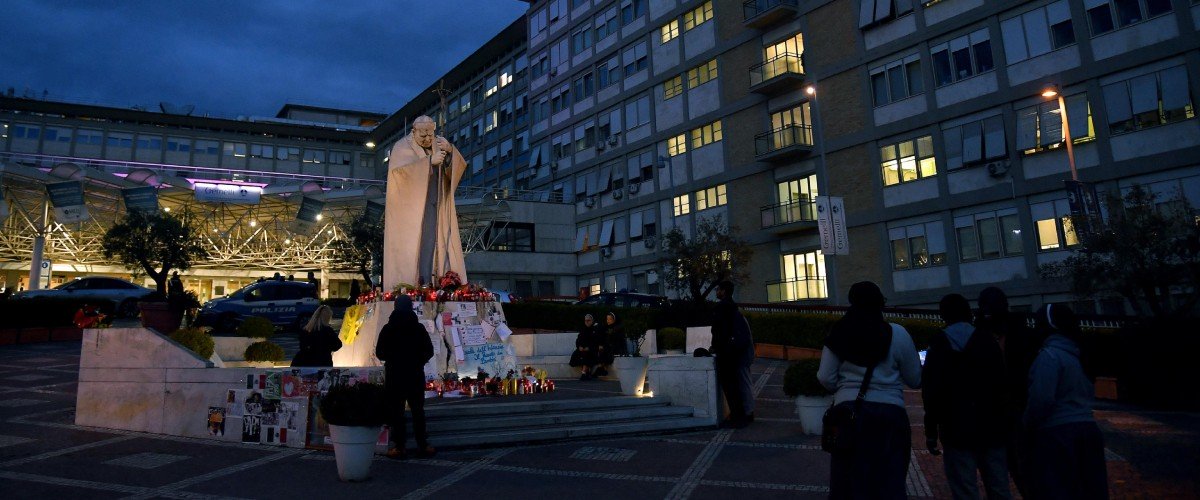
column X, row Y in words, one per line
column 234, row 58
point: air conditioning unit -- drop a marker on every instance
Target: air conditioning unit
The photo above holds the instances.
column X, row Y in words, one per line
column 600, row 146
column 612, row 140
column 650, row 242
column 618, row 193
column 553, row 71
column 634, row 187
column 589, row 202
column 606, row 252
column 998, row 168
column 553, row 167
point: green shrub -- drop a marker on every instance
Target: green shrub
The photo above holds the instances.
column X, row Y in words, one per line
column 801, row 379
column 358, row 405
column 671, row 338
column 196, row 339
column 264, row 351
column 256, row 327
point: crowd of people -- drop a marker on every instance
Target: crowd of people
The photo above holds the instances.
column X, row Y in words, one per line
column 1001, row 399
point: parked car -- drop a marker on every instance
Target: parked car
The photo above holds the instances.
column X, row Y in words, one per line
column 122, row 294
column 626, row 299
column 287, row 304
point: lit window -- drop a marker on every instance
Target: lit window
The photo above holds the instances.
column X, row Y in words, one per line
column 702, row 74
column 711, row 197
column 907, row 161
column 669, row 31
column 697, row 16
column 682, row 205
column 707, row 134
column 672, row 87
column 677, row 145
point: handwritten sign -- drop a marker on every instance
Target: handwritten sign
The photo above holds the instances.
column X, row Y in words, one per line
column 465, row 309
column 473, row 335
column 491, row 358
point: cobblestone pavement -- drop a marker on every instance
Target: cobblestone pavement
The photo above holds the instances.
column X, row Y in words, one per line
column 43, row 454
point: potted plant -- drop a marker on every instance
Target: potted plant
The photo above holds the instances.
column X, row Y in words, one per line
column 263, row 353
column 355, row 414
column 185, row 304
column 155, row 242
column 158, row 314
column 812, row 399
column 631, row 368
column 671, row 340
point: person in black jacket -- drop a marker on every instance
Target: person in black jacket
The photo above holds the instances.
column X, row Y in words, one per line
column 586, row 345
column 733, row 346
column 404, row 347
column 318, row 341
column 963, row 385
column 1019, row 345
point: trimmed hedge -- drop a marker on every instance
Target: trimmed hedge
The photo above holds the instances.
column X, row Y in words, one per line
column 809, row 330
column 264, row 351
column 671, row 338
column 569, row 318
column 800, row 379
column 256, row 327
column 196, row 339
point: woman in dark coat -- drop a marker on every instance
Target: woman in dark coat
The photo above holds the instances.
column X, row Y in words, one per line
column 587, row 344
column 612, row 343
column 404, row 347
column 318, row 341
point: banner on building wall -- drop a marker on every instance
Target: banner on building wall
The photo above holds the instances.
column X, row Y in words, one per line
column 1085, row 206
column 841, row 241
column 825, row 225
column 143, row 199
column 67, row 198
column 309, row 214
column 208, row 192
column 374, row 211
column 3, row 205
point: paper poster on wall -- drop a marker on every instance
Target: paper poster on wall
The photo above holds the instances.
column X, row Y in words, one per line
column 272, row 389
column 251, row 429
column 235, row 402
column 473, row 335
column 216, row 421
column 465, row 309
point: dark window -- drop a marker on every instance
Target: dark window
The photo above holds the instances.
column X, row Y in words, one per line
column 1101, row 19
column 1156, row 7
column 879, row 87
column 915, row 84
column 511, row 237
column 1128, row 12
column 983, row 56
column 896, row 82
column 941, row 68
column 1063, row 34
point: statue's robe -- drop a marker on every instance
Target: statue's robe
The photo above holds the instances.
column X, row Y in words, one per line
column 407, row 194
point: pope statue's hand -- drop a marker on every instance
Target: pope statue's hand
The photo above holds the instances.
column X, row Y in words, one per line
column 438, row 156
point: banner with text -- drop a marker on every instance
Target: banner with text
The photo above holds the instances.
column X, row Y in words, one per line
column 67, row 198
column 143, row 198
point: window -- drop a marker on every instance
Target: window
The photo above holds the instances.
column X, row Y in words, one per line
column 29, row 131
column 608, row 72
column 314, row 156
column 677, row 145
column 585, row 86
column 792, row 125
column 710, row 197
column 669, row 31
column 1055, row 229
column 585, row 136
column 236, row 149
column 640, row 166
column 576, row 3
column 975, row 142
column 541, row 110
column 1148, row 101
column 581, row 40
column 682, row 205
column 1039, row 127
column 672, row 87
column 506, row 113
column 706, row 135
column 783, row 57
column 558, row 8
column 642, row 224
column 637, row 112
column 802, row 277
column 506, row 76
column 897, row 80
column 561, row 99
column 1108, row 15
column 632, row 10
column 282, row 153
column 1038, row 31
column 697, row 16
column 339, row 158
column 702, row 74
column 872, row 12
column 988, row 235
column 177, row 144
column 114, row 140
column 608, row 123
column 59, row 134
column 262, row 151
column 962, row 58
column 560, row 145
column 537, row 22
column 907, row 161
column 491, row 85
column 204, row 147
column 366, row 161
column 541, row 66
column 606, row 24
column 96, row 138
column 635, row 59
column 559, row 54
column 918, row 245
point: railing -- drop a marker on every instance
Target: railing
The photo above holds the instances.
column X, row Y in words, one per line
column 783, row 137
column 782, row 64
column 753, row 8
column 796, row 289
column 789, row 212
column 495, row 194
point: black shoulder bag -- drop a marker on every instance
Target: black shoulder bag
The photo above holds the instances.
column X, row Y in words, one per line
column 837, row 435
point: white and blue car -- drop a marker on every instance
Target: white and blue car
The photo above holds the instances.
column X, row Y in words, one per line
column 287, row 304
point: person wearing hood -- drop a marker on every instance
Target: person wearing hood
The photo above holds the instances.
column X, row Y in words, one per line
column 1019, row 346
column 963, row 387
column 863, row 343
column 404, row 347
column 1066, row 452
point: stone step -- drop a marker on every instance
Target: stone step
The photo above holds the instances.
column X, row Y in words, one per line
column 507, row 409
column 466, row 438
column 505, row 423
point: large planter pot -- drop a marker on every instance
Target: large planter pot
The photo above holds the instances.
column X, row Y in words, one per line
column 811, row 410
column 770, row 351
column 160, row 317
column 353, row 447
column 631, row 371
column 799, row 353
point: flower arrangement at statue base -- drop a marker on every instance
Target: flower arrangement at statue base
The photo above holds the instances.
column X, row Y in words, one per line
column 530, row 381
column 450, row 288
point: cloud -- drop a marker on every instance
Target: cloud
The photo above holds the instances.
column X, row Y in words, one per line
column 242, row 58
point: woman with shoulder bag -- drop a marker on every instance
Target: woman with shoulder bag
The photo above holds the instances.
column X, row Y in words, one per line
column 874, row 441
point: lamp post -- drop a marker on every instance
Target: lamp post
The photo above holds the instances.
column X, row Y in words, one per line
column 831, row 294
column 1052, row 91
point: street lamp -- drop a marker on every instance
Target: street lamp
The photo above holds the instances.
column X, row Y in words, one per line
column 1052, row 91
column 823, row 187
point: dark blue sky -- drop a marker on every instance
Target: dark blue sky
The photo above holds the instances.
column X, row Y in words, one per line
column 241, row 57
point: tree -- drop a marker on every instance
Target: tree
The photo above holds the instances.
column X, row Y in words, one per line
column 693, row 266
column 362, row 248
column 143, row 241
column 1141, row 253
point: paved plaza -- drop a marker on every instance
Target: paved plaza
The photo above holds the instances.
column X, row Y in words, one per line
column 44, row 455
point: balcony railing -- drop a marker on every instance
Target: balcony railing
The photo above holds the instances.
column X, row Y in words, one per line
column 789, row 212
column 760, row 13
column 781, row 70
column 784, row 142
column 797, row 289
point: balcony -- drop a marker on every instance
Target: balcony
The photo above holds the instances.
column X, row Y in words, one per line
column 784, row 143
column 779, row 215
column 796, row 289
column 778, row 74
column 764, row 13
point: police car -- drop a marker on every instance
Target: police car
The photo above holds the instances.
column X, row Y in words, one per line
column 287, row 304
